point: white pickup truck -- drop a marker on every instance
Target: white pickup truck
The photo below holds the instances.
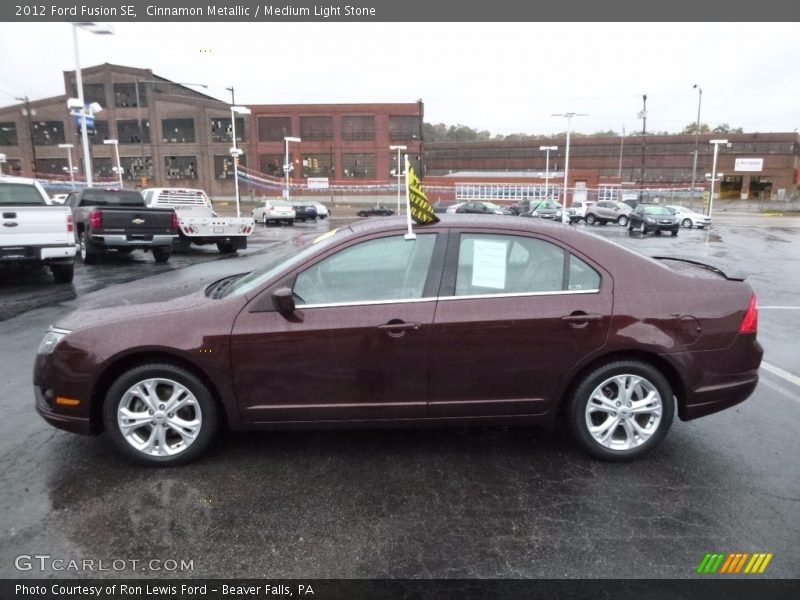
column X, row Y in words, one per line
column 199, row 224
column 34, row 233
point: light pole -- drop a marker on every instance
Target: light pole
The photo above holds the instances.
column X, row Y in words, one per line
column 547, row 168
column 398, row 173
column 714, row 178
column 98, row 29
column 118, row 168
column 696, row 142
column 643, row 115
column 287, row 167
column 235, row 151
column 569, row 115
column 68, row 148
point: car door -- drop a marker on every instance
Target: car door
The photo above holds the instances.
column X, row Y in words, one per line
column 357, row 345
column 516, row 313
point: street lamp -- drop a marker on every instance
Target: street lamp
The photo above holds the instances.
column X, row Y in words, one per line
column 547, row 167
column 569, row 115
column 97, row 29
column 71, row 169
column 398, row 173
column 287, row 167
column 696, row 141
column 714, row 178
column 235, row 151
column 118, row 168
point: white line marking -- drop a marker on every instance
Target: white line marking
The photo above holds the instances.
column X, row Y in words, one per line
column 778, row 388
column 785, row 375
column 780, row 307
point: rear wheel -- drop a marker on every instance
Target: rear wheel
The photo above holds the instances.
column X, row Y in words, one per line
column 622, row 220
column 63, row 273
column 87, row 250
column 225, row 247
column 160, row 415
column 590, row 219
column 161, row 254
column 687, row 223
column 621, row 410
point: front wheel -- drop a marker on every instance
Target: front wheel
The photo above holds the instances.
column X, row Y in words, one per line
column 622, row 220
column 687, row 223
column 642, row 228
column 160, row 415
column 674, row 232
column 621, row 410
column 87, row 251
column 161, row 254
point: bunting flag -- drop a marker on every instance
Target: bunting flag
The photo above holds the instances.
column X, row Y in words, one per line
column 421, row 209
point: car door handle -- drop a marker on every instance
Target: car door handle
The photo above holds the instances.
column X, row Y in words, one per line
column 398, row 328
column 578, row 318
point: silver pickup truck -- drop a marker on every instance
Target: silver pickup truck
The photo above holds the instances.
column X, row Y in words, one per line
column 33, row 232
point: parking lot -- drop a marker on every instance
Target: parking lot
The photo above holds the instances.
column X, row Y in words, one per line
column 483, row 502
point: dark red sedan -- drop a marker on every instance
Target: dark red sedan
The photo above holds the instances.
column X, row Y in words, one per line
column 478, row 320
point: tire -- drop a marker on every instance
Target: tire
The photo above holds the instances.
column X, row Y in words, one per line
column 86, row 250
column 291, row 222
column 63, row 273
column 598, row 401
column 161, row 255
column 642, row 228
column 622, row 220
column 630, row 227
column 590, row 219
column 674, row 232
column 129, row 392
column 687, row 223
column 225, row 248
column 658, row 232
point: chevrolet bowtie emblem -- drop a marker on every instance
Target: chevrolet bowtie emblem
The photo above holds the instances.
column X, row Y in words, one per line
column 137, row 221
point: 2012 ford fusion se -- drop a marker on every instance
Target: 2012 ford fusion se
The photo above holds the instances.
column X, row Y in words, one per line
column 478, row 320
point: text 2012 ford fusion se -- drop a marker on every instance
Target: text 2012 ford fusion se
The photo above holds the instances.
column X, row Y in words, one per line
column 389, row 332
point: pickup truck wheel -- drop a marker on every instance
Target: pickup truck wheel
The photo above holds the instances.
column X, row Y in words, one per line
column 225, row 247
column 161, row 254
column 88, row 254
column 63, row 273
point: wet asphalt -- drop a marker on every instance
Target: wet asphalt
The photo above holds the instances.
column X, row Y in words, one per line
column 484, row 502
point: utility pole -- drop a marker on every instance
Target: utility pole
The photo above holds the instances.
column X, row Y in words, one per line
column 233, row 98
column 696, row 142
column 29, row 113
column 644, row 145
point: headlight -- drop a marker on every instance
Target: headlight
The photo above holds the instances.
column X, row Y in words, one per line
column 51, row 340
column 649, row 219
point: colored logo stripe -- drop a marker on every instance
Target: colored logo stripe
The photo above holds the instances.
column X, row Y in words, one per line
column 733, row 563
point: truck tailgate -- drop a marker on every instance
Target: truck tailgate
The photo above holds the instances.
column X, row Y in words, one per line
column 35, row 225
column 132, row 220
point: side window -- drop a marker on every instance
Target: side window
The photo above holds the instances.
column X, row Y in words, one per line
column 390, row 268
column 497, row 264
column 148, row 197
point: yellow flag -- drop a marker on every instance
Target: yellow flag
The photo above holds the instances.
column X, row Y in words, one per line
column 421, row 209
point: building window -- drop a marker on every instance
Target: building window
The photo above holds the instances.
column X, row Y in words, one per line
column 8, row 134
column 271, row 164
column 316, row 128
column 128, row 132
column 136, row 167
column 178, row 131
column 93, row 92
column 405, row 127
column 358, row 128
column 273, row 129
column 48, row 133
column 359, row 165
column 181, row 167
column 317, row 165
column 102, row 168
column 100, row 132
column 125, row 95
column 221, row 130
column 53, row 166
column 223, row 165
column 607, row 193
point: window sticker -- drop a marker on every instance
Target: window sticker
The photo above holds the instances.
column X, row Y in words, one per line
column 489, row 264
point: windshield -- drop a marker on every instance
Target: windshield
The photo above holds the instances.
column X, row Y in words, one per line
column 657, row 210
column 283, row 260
column 109, row 198
column 17, row 194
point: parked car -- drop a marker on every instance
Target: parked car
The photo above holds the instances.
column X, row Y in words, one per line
column 482, row 208
column 375, row 211
column 445, row 207
column 119, row 220
column 690, row 218
column 563, row 325
column 35, row 233
column 198, row 223
column 545, row 209
column 606, row 211
column 577, row 212
column 653, row 217
column 323, row 212
column 304, row 212
column 274, row 211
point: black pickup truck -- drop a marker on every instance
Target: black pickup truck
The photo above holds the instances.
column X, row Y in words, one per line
column 118, row 220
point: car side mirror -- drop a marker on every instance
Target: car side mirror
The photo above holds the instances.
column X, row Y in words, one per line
column 283, row 299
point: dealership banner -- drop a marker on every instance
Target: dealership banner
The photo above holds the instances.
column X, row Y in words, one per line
column 755, row 165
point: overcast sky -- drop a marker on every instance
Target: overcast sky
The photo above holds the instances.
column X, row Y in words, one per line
column 502, row 77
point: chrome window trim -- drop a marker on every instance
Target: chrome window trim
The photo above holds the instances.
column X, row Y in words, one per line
column 368, row 303
column 519, row 294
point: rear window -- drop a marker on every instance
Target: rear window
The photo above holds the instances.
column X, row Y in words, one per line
column 19, row 194
column 103, row 198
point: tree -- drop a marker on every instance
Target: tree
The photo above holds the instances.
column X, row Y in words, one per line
column 725, row 128
column 691, row 128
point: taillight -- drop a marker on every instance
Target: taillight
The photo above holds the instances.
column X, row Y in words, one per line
column 750, row 321
column 96, row 219
column 70, row 223
column 175, row 223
